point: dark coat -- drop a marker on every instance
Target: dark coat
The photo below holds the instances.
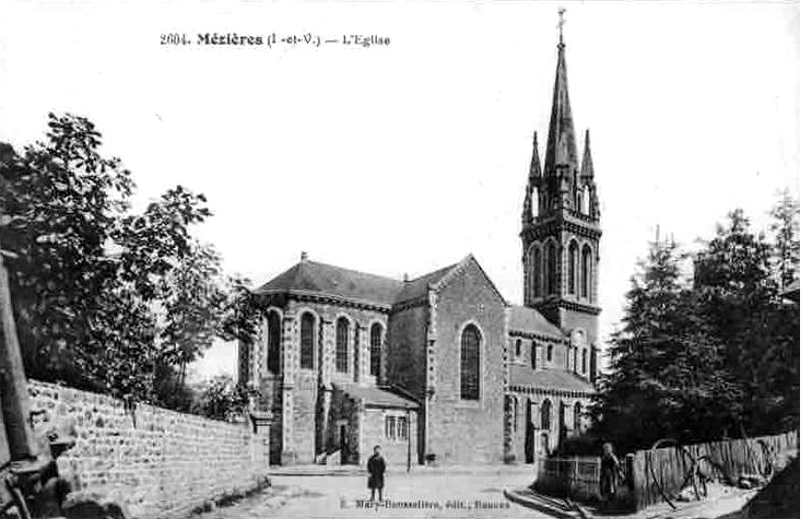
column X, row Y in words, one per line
column 376, row 466
column 610, row 474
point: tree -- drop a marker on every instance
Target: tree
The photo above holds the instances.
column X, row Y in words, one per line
column 62, row 200
column 784, row 228
column 738, row 291
column 667, row 377
column 105, row 299
column 221, row 399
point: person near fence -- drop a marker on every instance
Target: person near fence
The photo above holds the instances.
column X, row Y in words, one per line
column 611, row 473
column 376, row 466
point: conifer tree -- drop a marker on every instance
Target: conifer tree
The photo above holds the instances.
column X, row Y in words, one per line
column 666, row 378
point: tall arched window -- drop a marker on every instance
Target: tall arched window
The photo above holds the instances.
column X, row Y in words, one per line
column 572, row 262
column 375, row 349
column 577, row 417
column 584, row 360
column 343, row 334
column 356, row 352
column 273, row 342
column 470, row 363
column 550, row 270
column 545, row 415
column 586, row 271
column 534, row 270
column 307, row 341
column 550, row 353
column 514, row 413
column 533, row 354
column 518, row 348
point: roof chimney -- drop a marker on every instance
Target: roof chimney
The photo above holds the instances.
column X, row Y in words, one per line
column 304, row 255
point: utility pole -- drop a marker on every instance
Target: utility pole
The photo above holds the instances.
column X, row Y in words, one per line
column 13, row 385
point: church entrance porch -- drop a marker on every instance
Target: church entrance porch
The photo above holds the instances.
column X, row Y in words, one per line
column 366, row 416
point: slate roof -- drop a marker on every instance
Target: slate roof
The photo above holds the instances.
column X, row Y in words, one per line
column 378, row 397
column 525, row 319
column 320, row 278
column 418, row 287
column 552, row 379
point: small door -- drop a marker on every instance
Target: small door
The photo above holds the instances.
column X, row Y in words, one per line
column 544, row 445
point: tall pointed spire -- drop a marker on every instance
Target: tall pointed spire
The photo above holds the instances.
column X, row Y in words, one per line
column 561, row 147
column 586, row 163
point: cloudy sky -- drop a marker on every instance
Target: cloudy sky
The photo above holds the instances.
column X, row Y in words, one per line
column 404, row 158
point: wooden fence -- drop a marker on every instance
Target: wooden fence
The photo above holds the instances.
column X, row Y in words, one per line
column 651, row 475
column 574, row 477
column 663, row 472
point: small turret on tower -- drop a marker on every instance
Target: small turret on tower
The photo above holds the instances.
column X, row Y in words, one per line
column 531, row 204
column 586, row 163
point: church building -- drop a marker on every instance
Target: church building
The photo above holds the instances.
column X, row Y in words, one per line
column 441, row 368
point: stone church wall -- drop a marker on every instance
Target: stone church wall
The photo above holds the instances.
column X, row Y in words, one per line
column 461, row 431
column 158, row 463
column 406, row 360
column 301, row 428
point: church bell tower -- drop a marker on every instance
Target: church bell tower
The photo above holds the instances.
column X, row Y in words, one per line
column 561, row 229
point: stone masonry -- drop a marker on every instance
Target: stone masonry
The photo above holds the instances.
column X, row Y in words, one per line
column 157, row 463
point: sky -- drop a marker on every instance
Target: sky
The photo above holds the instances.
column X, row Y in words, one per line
column 402, row 158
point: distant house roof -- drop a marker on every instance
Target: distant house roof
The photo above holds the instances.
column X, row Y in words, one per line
column 549, row 379
column 319, row 278
column 525, row 319
column 377, row 397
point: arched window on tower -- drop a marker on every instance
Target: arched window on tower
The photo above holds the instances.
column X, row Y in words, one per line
column 534, row 354
column 577, row 417
column 518, row 348
column 586, row 272
column 545, row 415
column 585, row 200
column 535, row 201
column 584, row 361
column 550, row 271
column 572, row 263
column 470, row 363
column 550, row 353
column 307, row 341
column 375, row 349
column 342, row 335
column 274, row 342
column 534, row 270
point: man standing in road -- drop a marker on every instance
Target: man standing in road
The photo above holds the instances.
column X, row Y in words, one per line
column 611, row 473
column 376, row 466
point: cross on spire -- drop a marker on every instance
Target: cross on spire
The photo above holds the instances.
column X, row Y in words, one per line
column 561, row 23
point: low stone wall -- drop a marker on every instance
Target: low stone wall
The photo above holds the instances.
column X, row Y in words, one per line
column 158, row 463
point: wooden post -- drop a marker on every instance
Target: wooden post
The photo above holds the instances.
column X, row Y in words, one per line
column 13, row 384
column 408, row 441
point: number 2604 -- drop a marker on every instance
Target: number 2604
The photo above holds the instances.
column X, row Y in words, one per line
column 174, row 38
